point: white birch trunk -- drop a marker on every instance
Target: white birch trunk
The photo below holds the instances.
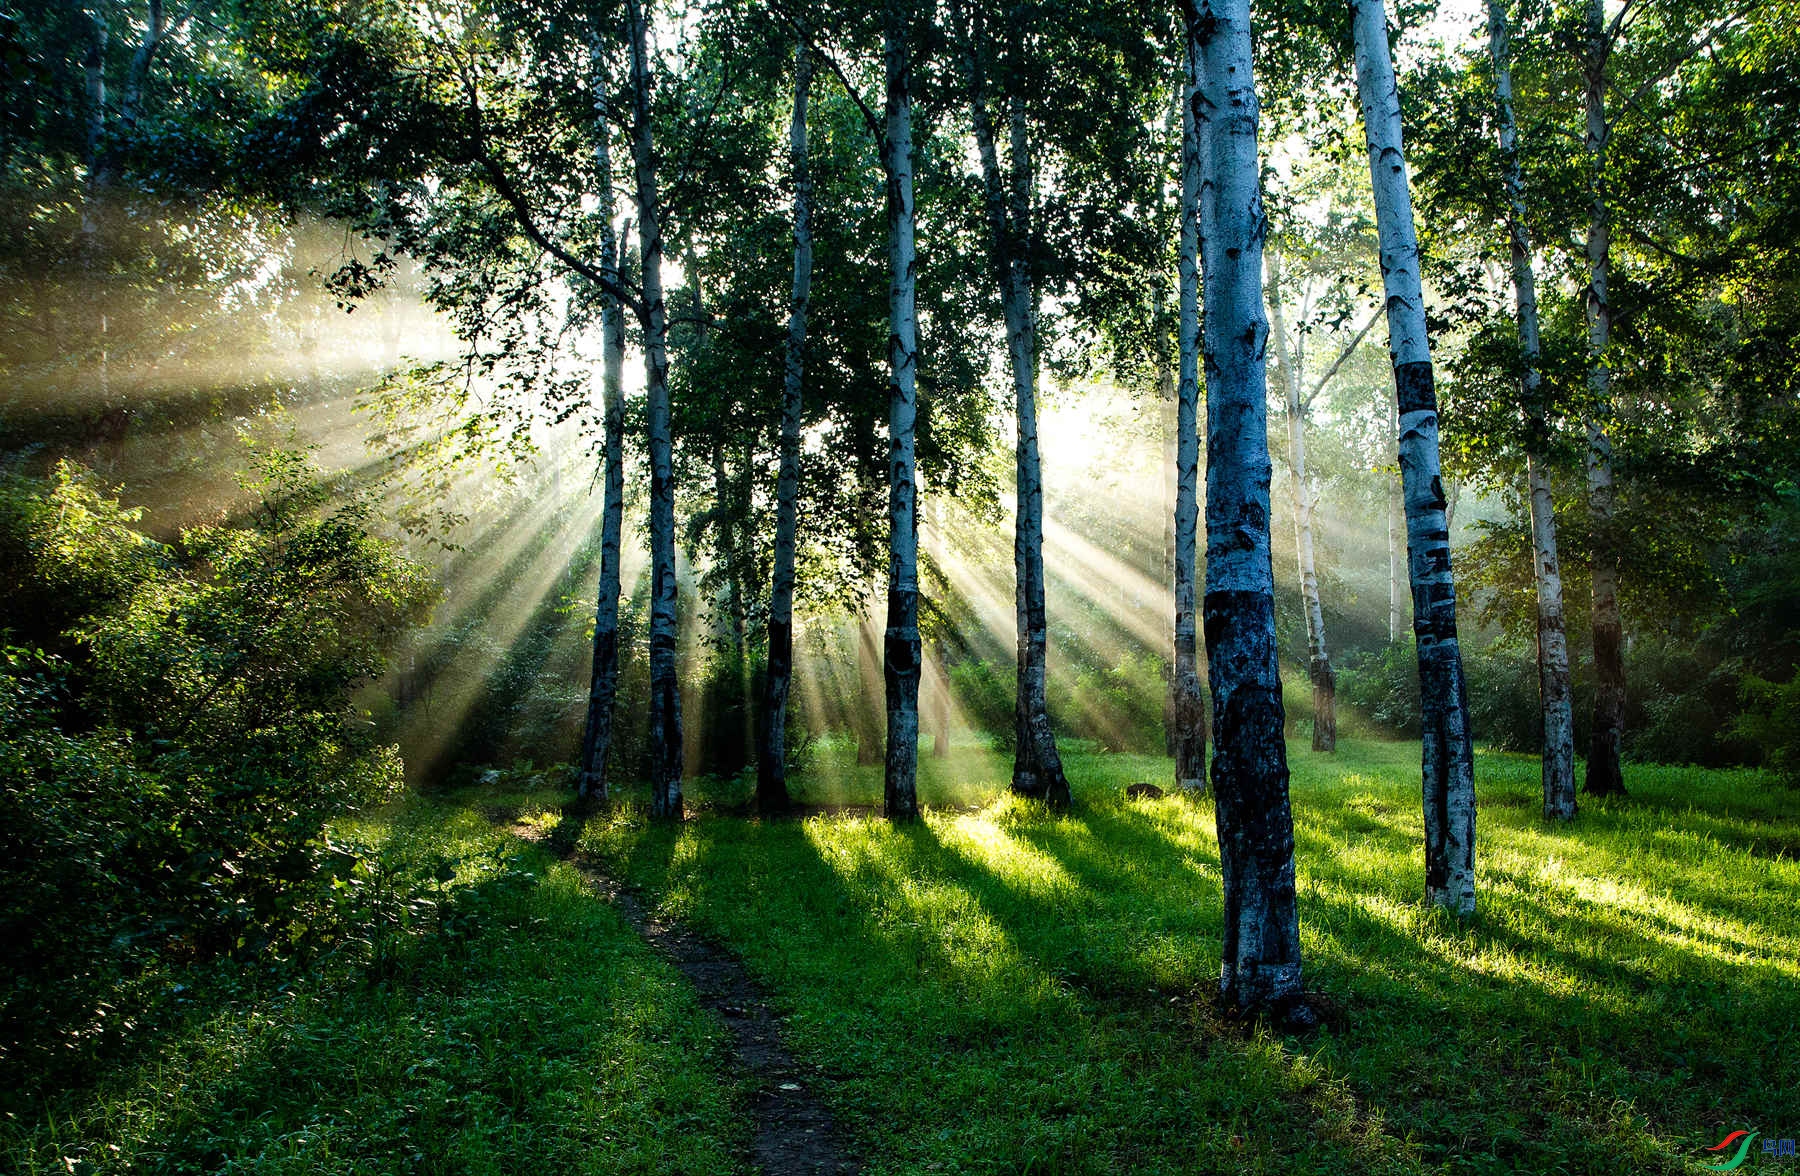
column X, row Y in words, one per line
column 1166, row 421
column 665, row 690
column 901, row 652
column 1604, row 775
column 1448, row 777
column 1324, row 680
column 1260, row 971
column 603, row 685
column 771, row 764
column 1189, row 718
column 1553, row 644
column 1037, row 766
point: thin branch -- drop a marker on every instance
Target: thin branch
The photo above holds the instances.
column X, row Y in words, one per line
column 877, row 127
column 502, row 184
column 1343, row 357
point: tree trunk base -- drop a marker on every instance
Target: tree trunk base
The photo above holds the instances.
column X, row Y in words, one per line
column 1605, row 777
column 1324, row 683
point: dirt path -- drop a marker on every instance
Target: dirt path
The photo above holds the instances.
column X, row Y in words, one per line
column 794, row 1131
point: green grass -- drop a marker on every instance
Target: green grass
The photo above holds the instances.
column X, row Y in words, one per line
column 999, row 990
column 1004, row 990
column 521, row 1027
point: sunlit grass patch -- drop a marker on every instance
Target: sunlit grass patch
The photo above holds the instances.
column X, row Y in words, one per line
column 1003, row 985
column 519, row 1026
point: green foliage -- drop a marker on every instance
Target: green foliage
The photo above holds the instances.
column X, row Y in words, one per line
column 176, row 739
column 987, row 694
column 1383, row 685
column 1770, row 721
column 1119, row 708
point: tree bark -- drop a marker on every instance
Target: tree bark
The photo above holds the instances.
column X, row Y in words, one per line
column 1604, row 775
column 1448, row 777
column 771, row 766
column 1552, row 640
column 665, row 690
column 1189, row 732
column 1261, row 951
column 901, row 642
column 1037, row 766
column 731, row 553
column 1168, row 419
column 1396, row 527
column 603, row 685
column 1324, row 680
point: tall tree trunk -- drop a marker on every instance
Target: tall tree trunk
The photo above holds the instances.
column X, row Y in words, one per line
column 901, row 641
column 1448, row 750
column 1324, row 680
column 603, row 685
column 93, row 69
column 731, row 553
column 1604, row 775
column 1553, row 645
column 1037, row 767
column 771, row 764
column 1189, row 731
column 1167, row 415
column 1396, row 527
column 665, row 690
column 1261, row 964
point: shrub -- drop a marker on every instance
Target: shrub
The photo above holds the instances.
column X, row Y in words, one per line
column 1770, row 721
column 171, row 760
column 1120, row 708
column 986, row 695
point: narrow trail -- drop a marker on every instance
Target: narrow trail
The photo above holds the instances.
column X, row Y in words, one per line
column 794, row 1131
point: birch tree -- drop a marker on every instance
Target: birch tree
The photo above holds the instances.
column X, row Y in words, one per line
column 1604, row 776
column 1552, row 641
column 1447, row 747
column 1261, row 950
column 665, row 688
column 1008, row 193
column 771, row 765
column 901, row 646
column 1189, row 706
column 1290, row 350
column 603, row 685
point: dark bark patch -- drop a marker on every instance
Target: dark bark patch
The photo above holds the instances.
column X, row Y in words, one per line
column 1415, row 388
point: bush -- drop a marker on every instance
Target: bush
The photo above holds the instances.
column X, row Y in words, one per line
column 1502, row 684
column 987, row 695
column 1383, row 684
column 172, row 757
column 1771, row 721
column 1120, row 709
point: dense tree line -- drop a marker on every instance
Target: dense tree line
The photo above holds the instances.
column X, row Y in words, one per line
column 848, row 241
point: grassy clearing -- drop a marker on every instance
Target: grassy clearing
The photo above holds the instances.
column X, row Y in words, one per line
column 1000, row 990
column 496, row 1019
column 996, row 990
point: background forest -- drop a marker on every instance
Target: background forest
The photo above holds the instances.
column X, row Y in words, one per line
column 416, row 416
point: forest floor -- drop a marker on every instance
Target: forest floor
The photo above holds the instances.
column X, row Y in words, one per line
column 997, row 989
